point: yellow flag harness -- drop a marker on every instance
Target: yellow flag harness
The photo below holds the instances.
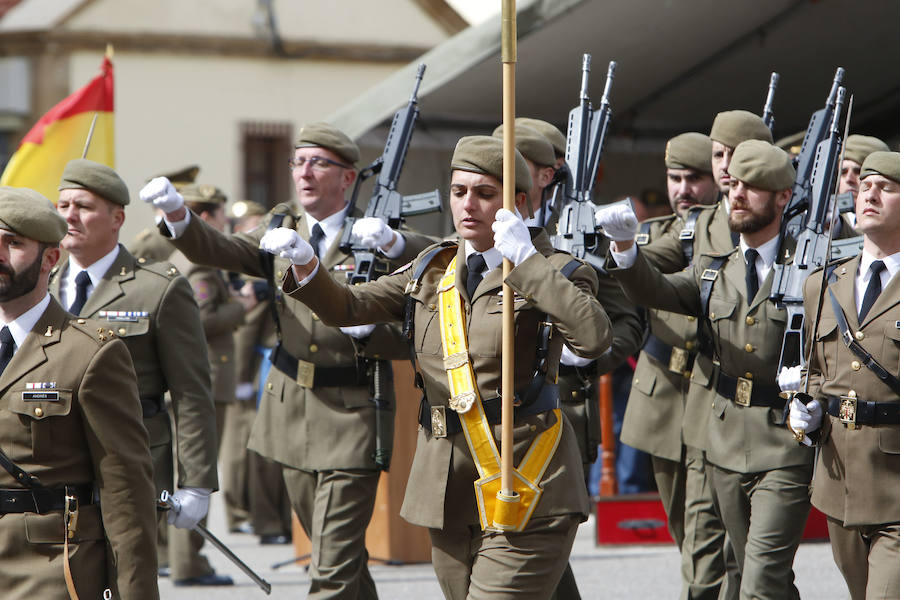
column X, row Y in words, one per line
column 496, row 511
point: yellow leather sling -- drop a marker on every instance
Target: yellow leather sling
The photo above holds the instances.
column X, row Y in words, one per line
column 496, row 511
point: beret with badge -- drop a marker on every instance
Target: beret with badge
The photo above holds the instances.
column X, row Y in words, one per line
column 30, row 214
column 84, row 174
column 203, row 192
column 549, row 131
column 531, row 144
column 858, row 147
column 882, row 163
column 484, row 154
column 735, row 126
column 326, row 136
column 761, row 165
column 690, row 150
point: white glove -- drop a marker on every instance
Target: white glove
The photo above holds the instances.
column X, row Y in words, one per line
column 358, row 331
column 618, row 221
column 511, row 237
column 571, row 359
column 805, row 417
column 162, row 194
column 789, row 379
column 372, row 232
column 286, row 243
column 191, row 505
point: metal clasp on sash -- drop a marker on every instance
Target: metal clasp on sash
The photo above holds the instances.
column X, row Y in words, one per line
column 678, row 360
column 438, row 421
column 642, row 239
column 686, row 234
column 847, row 411
column 709, row 274
column 306, row 373
column 743, row 392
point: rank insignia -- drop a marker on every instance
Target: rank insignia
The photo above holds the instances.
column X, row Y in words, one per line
column 40, row 385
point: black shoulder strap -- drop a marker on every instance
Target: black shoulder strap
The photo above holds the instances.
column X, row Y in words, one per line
column 19, row 474
column 873, row 365
column 707, row 280
column 687, row 234
column 643, row 236
column 267, row 260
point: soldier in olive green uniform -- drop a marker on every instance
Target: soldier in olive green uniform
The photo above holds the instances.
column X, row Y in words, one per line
column 471, row 562
column 80, row 509
column 856, row 149
column 655, row 419
column 316, row 418
column 760, row 479
column 152, row 308
column 148, row 243
column 857, row 482
column 577, row 376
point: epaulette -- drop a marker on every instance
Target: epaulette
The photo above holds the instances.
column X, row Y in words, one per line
column 93, row 329
column 832, row 265
column 424, row 259
column 164, row 269
column 715, row 255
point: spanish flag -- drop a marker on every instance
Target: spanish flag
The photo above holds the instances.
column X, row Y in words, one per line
column 60, row 135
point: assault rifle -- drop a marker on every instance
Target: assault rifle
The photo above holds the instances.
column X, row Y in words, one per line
column 814, row 239
column 578, row 233
column 391, row 207
column 768, row 110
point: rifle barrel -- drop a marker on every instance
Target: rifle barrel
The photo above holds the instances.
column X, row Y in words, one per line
column 585, row 75
column 420, row 72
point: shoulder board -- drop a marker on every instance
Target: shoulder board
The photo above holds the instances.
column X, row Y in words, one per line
column 424, row 259
column 832, row 265
column 661, row 220
column 95, row 330
column 721, row 254
column 163, row 268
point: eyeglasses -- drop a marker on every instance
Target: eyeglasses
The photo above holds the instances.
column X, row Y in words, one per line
column 317, row 163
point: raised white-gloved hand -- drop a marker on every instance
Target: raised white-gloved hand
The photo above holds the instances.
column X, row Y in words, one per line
column 805, row 417
column 618, row 221
column 372, row 232
column 286, row 243
column 511, row 237
column 789, row 379
column 190, row 506
column 571, row 359
column 358, row 331
column 160, row 192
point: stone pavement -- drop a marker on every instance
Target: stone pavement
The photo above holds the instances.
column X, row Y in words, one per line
column 607, row 573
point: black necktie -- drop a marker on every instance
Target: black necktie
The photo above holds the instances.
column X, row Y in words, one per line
column 82, row 281
column 751, row 276
column 7, row 346
column 476, row 265
column 873, row 290
column 315, row 236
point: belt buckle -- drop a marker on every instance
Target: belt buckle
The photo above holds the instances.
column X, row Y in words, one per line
column 462, row 402
column 847, row 411
column 306, row 373
column 71, row 513
column 678, row 360
column 438, row 422
column 743, row 391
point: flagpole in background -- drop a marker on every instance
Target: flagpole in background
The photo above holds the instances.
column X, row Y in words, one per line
column 66, row 132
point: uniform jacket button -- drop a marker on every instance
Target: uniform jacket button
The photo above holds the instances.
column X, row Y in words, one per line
column 39, row 412
column 313, row 348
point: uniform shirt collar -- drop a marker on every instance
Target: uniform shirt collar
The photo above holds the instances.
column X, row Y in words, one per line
column 24, row 323
column 492, row 256
column 891, row 262
column 95, row 271
column 331, row 227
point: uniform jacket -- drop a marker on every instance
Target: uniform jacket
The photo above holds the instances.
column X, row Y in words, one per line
column 221, row 315
column 439, row 493
column 747, row 338
column 311, row 429
column 257, row 332
column 92, row 433
column 858, row 473
column 169, row 353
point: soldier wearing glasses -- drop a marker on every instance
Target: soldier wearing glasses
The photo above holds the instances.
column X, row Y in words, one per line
column 316, row 417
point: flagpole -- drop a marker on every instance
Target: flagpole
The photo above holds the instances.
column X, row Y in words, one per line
column 508, row 57
column 87, row 142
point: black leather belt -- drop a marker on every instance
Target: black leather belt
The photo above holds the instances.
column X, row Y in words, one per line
column 152, row 406
column 315, row 376
column 662, row 352
column 548, row 399
column 747, row 392
column 862, row 412
column 43, row 500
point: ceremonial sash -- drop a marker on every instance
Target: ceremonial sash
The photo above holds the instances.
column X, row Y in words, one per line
column 496, row 511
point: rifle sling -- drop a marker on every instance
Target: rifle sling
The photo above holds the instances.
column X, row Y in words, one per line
column 267, row 261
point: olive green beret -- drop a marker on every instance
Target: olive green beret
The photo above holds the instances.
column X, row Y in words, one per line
column 325, row 136
column 690, row 151
column 550, row 131
column 735, row 126
column 29, row 213
column 247, row 208
column 203, row 192
column 533, row 146
column 484, row 154
column 858, row 147
column 84, row 174
column 882, row 163
column 761, row 165
column 179, row 177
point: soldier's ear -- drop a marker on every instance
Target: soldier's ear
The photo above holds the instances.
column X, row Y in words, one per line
column 50, row 258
